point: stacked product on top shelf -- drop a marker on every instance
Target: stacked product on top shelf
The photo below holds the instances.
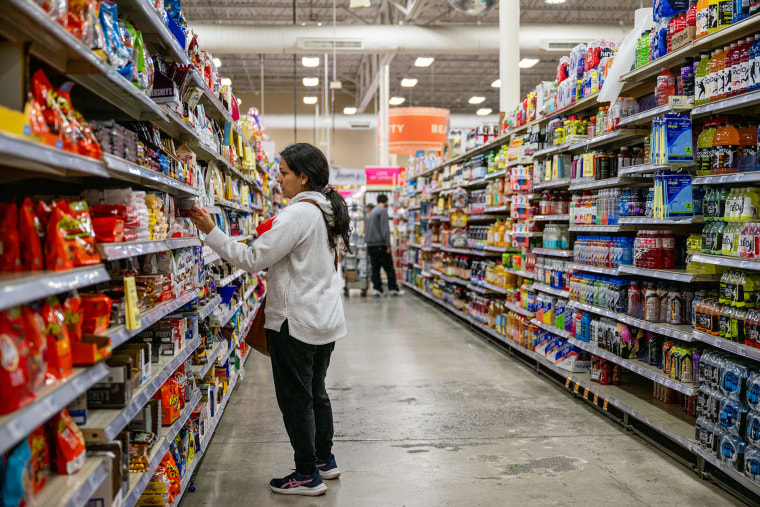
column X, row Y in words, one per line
column 644, row 277
column 124, row 334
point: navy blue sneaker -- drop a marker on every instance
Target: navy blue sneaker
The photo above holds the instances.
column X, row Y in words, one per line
column 298, row 484
column 327, row 467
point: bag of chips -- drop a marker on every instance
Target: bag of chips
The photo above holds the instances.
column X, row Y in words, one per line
column 10, row 246
column 68, row 444
column 14, row 356
column 31, row 235
column 34, row 325
column 38, row 442
column 60, row 363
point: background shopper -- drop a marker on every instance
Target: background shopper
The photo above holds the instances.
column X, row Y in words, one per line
column 304, row 311
column 378, row 236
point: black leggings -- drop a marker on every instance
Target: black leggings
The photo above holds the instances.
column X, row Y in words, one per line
column 299, row 381
column 380, row 258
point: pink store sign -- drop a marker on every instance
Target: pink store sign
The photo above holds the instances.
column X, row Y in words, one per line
column 383, row 176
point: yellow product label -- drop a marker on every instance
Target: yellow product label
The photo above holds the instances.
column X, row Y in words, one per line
column 244, row 193
column 130, row 297
column 588, row 165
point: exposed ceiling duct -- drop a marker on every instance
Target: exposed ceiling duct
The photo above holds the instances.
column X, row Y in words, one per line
column 395, row 39
column 366, row 121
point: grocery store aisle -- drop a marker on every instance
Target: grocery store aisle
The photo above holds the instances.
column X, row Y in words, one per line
column 429, row 414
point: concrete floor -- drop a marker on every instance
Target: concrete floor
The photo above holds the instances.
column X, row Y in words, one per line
column 429, row 414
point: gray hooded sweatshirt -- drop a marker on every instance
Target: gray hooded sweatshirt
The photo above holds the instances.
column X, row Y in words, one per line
column 303, row 285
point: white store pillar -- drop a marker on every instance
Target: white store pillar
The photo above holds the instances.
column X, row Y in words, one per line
column 385, row 83
column 509, row 54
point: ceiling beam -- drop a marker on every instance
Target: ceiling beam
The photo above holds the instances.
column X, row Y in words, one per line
column 366, row 95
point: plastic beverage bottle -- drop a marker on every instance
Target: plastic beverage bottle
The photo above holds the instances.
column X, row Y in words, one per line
column 744, row 66
column 726, row 146
column 704, row 149
column 712, row 16
column 668, row 250
column 703, row 23
column 754, row 64
column 724, row 73
column 733, row 69
column 747, row 155
column 666, row 87
column 725, row 13
column 700, row 79
column 713, row 76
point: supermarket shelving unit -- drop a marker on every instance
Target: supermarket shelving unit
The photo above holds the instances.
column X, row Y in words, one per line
column 113, row 96
column 631, row 404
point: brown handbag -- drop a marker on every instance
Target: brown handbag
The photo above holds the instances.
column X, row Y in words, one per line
column 257, row 335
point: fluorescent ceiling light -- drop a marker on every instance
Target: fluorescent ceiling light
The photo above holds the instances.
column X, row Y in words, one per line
column 226, row 81
column 310, row 61
column 484, row 111
column 496, row 84
column 527, row 63
column 349, row 110
column 309, row 100
column 423, row 61
column 553, row 2
column 336, row 85
column 476, row 100
column 408, row 82
column 311, row 81
column 353, row 4
column 396, row 101
column 217, row 62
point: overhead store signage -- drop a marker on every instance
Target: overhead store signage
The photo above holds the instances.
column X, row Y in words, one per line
column 417, row 128
column 382, row 176
column 341, row 176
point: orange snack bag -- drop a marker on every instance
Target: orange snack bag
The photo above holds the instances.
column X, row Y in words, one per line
column 10, row 246
column 38, row 442
column 60, row 363
column 72, row 317
column 31, row 233
column 34, row 325
column 14, row 358
column 68, row 444
column 57, row 254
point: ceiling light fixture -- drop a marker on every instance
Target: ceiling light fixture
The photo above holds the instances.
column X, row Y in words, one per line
column 396, row 101
column 226, row 81
column 424, row 61
column 555, row 2
column 353, row 4
column 217, row 62
column 476, row 100
column 311, row 81
column 310, row 61
column 496, row 84
column 349, row 110
column 485, row 111
column 408, row 82
column 527, row 63
column 309, row 100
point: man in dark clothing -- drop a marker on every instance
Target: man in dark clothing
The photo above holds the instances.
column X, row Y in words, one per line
column 378, row 236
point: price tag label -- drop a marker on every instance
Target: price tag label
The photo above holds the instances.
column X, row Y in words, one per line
column 677, row 100
column 596, row 398
column 567, row 382
column 132, row 317
column 605, row 404
column 585, row 394
column 576, row 388
column 244, row 193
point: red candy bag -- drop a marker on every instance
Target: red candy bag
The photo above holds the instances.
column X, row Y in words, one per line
column 31, row 232
column 38, row 443
column 10, row 246
column 34, row 325
column 58, row 257
column 69, row 447
column 60, row 362
column 14, row 357
column 72, row 317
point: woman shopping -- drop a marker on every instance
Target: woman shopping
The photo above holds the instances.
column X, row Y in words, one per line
column 304, row 310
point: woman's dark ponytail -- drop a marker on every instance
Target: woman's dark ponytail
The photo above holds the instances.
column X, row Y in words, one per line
column 303, row 158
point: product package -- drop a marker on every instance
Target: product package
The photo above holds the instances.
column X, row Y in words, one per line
column 14, row 354
column 69, row 448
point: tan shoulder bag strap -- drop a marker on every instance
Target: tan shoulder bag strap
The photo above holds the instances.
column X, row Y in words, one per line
column 326, row 225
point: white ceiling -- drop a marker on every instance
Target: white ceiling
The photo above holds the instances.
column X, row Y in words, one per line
column 448, row 83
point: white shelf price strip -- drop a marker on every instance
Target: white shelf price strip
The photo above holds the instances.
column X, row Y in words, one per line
column 551, row 290
column 21, row 288
column 74, row 490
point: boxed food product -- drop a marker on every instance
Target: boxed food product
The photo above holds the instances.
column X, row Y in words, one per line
column 116, row 389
